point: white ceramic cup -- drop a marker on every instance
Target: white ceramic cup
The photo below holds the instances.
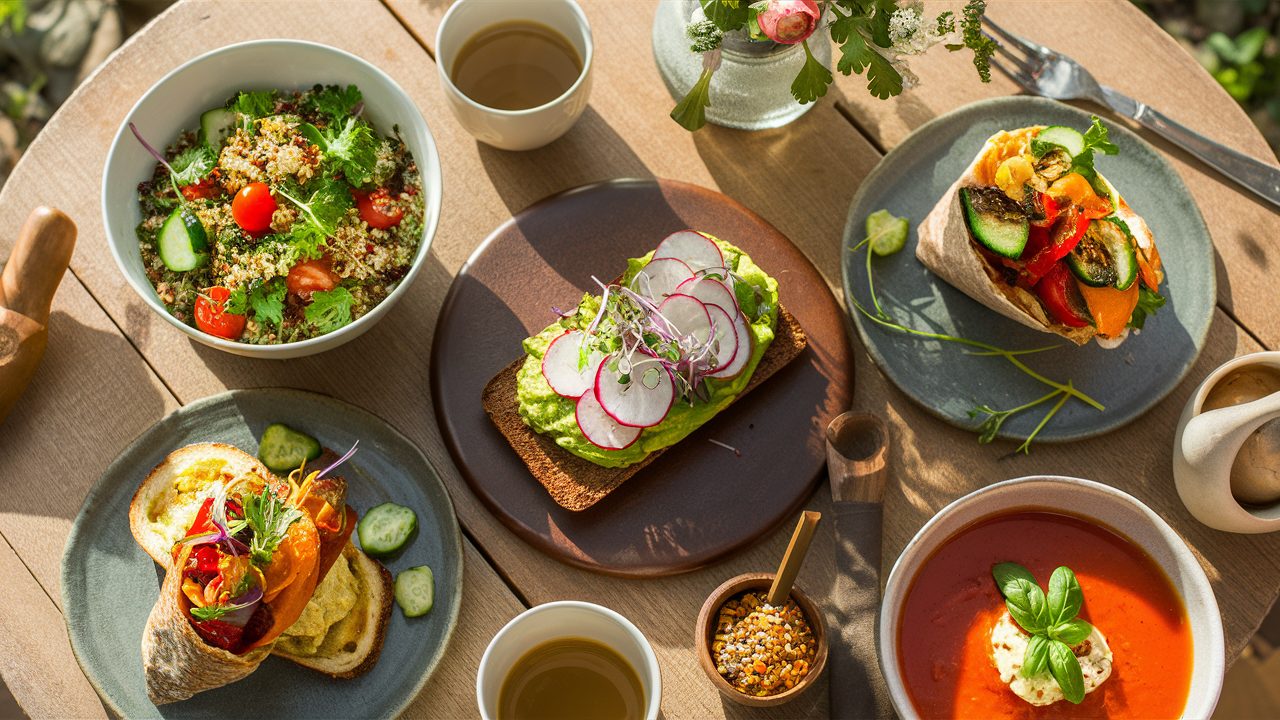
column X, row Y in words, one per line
column 563, row 619
column 514, row 129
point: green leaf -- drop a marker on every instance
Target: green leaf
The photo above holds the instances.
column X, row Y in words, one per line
column 1148, row 302
column 267, row 301
column 330, row 310
column 1071, row 632
column 691, row 113
column 193, row 164
column 334, row 101
column 746, row 296
column 1095, row 138
column 726, row 14
column 705, row 36
column 1036, row 659
column 209, row 612
column 883, row 79
column 855, row 56
column 812, row 81
column 353, row 149
column 269, row 517
column 253, row 105
column 1065, row 596
column 1023, row 596
column 879, row 25
column 318, row 213
column 1066, row 671
column 983, row 47
column 888, row 234
column 237, row 303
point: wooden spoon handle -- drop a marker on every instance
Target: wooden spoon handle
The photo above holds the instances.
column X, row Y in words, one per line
column 794, row 558
column 37, row 264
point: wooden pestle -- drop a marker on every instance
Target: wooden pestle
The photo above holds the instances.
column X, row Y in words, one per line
column 30, row 278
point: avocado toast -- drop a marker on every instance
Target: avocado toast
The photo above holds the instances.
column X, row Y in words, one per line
column 674, row 340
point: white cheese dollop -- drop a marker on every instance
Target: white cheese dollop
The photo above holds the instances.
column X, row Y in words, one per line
column 1009, row 646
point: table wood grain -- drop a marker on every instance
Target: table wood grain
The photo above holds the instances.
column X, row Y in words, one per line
column 113, row 367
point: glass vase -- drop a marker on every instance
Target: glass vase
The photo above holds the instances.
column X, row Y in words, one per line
column 752, row 88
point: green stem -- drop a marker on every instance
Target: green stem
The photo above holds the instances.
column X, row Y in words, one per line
column 1025, row 448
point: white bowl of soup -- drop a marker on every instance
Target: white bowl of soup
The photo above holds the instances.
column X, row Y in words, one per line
column 944, row 629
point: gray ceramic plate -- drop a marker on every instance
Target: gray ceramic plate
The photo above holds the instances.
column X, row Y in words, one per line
column 109, row 584
column 939, row 375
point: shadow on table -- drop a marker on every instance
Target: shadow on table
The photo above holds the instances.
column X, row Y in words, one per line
column 590, row 152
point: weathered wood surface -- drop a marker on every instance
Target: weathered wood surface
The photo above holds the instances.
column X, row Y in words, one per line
column 113, row 367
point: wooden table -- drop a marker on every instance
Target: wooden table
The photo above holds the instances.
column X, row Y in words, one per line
column 113, row 367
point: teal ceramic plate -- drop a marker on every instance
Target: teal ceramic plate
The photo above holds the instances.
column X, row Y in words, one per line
column 939, row 375
column 109, row 584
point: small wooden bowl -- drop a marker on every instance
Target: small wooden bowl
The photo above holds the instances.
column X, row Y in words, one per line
column 705, row 633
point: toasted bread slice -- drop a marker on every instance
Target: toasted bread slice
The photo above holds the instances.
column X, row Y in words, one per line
column 160, row 513
column 351, row 646
column 576, row 483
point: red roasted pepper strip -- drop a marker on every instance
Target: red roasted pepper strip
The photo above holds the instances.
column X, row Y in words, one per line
column 1061, row 297
column 1062, row 241
column 1051, row 211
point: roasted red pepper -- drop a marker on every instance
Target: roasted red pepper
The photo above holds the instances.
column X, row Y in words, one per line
column 1061, row 297
column 1061, row 241
column 202, row 525
column 1051, row 211
column 220, row 633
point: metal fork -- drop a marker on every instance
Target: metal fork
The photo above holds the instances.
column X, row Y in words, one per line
column 1045, row 72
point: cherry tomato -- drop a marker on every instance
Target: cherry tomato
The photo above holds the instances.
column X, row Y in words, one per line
column 202, row 190
column 378, row 209
column 312, row 276
column 210, row 317
column 253, row 207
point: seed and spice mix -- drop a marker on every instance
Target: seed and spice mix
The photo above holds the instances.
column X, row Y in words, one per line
column 761, row 649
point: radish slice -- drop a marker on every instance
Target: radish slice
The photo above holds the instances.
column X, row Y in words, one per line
column 600, row 429
column 711, row 292
column 695, row 249
column 726, row 333
column 642, row 402
column 560, row 365
column 746, row 348
column 687, row 316
column 660, row 278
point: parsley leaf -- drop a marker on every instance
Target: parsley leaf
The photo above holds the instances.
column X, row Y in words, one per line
column 1095, row 138
column 812, row 81
column 267, row 301
column 1148, row 302
column 318, row 213
column 209, row 612
column 691, row 113
column 253, row 104
column 982, row 46
column 269, row 518
column 353, row 150
column 335, row 101
column 726, row 14
column 330, row 310
column 883, row 79
column 237, row 303
column 193, row 164
column 855, row 56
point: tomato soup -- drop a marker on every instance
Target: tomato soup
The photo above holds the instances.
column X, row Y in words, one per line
column 944, row 635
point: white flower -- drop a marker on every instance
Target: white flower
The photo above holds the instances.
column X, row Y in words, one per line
column 910, row 33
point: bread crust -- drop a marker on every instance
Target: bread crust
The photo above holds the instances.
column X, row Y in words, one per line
column 576, row 483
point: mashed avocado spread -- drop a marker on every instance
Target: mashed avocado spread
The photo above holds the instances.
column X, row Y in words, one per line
column 553, row 415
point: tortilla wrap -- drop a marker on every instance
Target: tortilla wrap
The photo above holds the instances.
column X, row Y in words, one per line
column 178, row 662
column 946, row 248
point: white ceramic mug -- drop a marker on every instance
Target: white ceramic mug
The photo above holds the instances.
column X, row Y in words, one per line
column 564, row 619
column 514, row 129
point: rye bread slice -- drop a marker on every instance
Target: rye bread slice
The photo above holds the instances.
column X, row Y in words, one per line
column 575, row 483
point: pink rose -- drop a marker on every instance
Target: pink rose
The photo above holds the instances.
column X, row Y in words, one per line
column 789, row 21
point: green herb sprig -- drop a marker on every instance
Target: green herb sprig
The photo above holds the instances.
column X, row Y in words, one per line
column 1050, row 621
column 886, row 235
column 269, row 518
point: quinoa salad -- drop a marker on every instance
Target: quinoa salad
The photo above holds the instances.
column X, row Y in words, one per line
column 284, row 217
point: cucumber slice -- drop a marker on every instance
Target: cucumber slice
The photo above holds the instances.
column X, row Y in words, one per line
column 216, row 125
column 1057, row 136
column 998, row 223
column 1106, row 256
column 386, row 529
column 284, row 449
column 416, row 591
column 182, row 242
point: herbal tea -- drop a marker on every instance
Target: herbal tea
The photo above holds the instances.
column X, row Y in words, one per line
column 568, row 679
column 516, row 65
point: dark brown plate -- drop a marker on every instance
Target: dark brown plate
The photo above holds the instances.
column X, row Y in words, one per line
column 698, row 502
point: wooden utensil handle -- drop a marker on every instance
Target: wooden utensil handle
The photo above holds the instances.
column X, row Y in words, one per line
column 794, row 558
column 37, row 264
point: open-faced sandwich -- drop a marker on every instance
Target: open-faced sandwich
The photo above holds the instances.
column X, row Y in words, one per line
column 1033, row 231
column 254, row 565
column 671, row 342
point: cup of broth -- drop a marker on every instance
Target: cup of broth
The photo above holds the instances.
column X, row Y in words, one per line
column 517, row 74
column 569, row 660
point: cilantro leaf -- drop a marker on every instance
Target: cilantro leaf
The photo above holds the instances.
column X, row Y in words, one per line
column 1148, row 302
column 335, row 101
column 691, row 113
column 267, row 301
column 353, row 150
column 269, row 517
column 193, row 164
column 983, row 47
column 812, row 81
column 330, row 310
column 253, row 104
column 883, row 79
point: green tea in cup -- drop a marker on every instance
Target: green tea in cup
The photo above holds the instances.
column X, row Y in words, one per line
column 516, row 65
column 571, row 678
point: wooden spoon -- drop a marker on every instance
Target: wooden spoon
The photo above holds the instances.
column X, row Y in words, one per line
column 31, row 277
column 793, row 559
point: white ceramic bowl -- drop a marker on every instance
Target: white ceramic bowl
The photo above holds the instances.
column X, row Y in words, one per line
column 1109, row 506
column 175, row 103
column 514, row 129
column 566, row 618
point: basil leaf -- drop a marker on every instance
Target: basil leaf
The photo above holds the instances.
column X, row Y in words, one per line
column 1005, row 572
column 1066, row 671
column 1071, row 632
column 1023, row 596
column 1065, row 596
column 1036, row 659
